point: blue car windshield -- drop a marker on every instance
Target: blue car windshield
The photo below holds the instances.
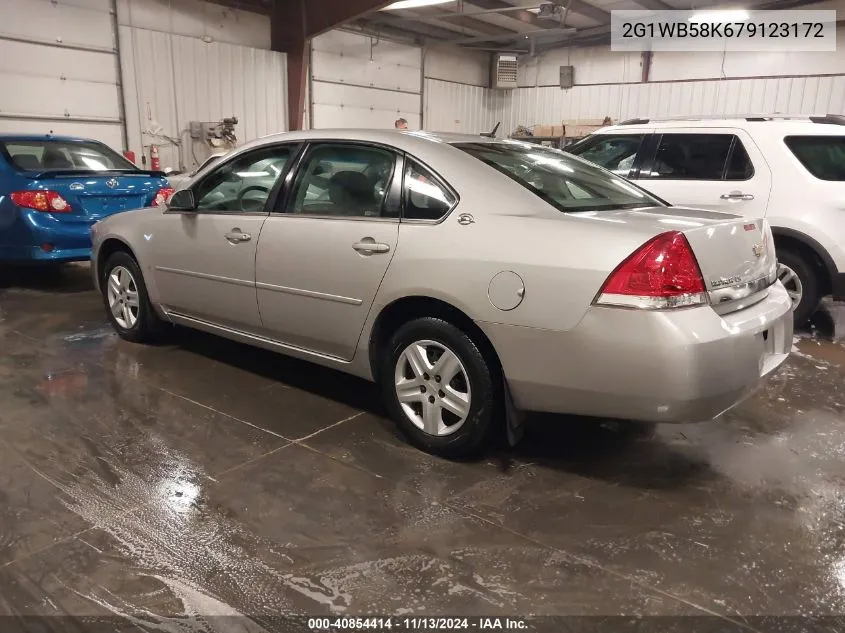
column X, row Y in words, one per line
column 55, row 155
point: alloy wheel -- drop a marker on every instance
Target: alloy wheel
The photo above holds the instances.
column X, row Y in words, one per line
column 123, row 297
column 432, row 386
column 792, row 283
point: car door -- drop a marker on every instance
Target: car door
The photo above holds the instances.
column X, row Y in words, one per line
column 204, row 258
column 718, row 169
column 324, row 251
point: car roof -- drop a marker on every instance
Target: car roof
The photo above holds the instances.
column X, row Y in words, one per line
column 45, row 137
column 814, row 124
column 402, row 139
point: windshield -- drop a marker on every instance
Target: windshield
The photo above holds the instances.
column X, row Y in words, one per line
column 567, row 183
column 52, row 155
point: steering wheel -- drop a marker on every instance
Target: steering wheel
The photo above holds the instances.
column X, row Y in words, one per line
column 250, row 189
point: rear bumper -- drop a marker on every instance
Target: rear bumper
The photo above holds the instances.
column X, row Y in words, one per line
column 672, row 366
column 41, row 237
column 37, row 254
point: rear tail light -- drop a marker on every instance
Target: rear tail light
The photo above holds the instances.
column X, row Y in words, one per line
column 41, row 200
column 162, row 196
column 662, row 273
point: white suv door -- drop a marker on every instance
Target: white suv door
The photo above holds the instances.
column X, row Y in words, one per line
column 708, row 168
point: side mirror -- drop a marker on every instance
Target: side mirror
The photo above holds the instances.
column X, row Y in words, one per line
column 182, row 200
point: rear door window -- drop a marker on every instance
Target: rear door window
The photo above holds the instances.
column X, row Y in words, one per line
column 690, row 157
column 739, row 164
column 425, row 197
column 615, row 152
column 822, row 156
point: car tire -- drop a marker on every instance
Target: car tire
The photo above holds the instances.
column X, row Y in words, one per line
column 807, row 284
column 136, row 323
column 476, row 380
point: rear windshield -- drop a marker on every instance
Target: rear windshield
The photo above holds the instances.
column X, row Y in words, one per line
column 567, row 183
column 822, row 156
column 64, row 156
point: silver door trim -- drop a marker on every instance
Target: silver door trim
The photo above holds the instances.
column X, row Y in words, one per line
column 250, row 339
column 198, row 275
column 313, row 294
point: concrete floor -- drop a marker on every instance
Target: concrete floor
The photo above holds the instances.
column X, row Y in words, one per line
column 205, row 477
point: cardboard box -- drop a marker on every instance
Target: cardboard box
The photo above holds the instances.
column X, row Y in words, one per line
column 557, row 130
column 542, row 130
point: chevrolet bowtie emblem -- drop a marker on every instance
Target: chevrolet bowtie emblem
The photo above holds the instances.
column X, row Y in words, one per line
column 759, row 249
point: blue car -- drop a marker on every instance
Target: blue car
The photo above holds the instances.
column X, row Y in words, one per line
column 53, row 188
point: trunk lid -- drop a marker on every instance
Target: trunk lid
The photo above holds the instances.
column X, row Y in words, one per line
column 736, row 255
column 94, row 196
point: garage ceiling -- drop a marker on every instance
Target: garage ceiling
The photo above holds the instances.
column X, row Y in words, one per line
column 510, row 25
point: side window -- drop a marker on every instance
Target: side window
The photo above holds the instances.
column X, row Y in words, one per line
column 343, row 180
column 690, row 157
column 425, row 197
column 615, row 152
column 739, row 165
column 822, row 156
column 245, row 183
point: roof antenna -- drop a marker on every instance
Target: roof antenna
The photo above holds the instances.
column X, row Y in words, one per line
column 493, row 133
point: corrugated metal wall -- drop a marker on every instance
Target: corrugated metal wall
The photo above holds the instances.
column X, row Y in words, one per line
column 786, row 95
column 58, row 69
column 456, row 107
column 171, row 80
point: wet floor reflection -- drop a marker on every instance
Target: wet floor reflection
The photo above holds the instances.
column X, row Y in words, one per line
column 203, row 477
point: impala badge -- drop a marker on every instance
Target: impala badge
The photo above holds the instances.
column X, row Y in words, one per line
column 112, row 183
column 759, row 249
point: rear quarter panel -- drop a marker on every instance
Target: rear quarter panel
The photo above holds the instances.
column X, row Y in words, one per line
column 563, row 259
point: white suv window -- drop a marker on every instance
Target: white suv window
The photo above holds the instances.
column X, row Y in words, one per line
column 691, row 157
column 822, row 156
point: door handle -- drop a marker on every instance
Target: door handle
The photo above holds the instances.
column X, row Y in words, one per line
column 236, row 236
column 369, row 247
column 736, row 195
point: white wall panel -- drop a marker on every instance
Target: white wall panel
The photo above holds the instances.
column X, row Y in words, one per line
column 58, row 69
column 785, row 95
column 172, row 79
column 458, row 65
column 454, row 107
column 592, row 65
column 85, row 24
column 197, row 18
column 360, row 81
column 338, row 106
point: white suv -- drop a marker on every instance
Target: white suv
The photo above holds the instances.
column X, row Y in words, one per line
column 790, row 170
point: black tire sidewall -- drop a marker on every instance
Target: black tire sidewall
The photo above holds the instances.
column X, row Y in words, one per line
column 810, row 297
column 482, row 381
column 148, row 321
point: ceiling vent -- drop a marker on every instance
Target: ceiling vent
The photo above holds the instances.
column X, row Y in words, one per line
column 504, row 71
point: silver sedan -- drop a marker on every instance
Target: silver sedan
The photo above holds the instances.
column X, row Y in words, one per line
column 468, row 276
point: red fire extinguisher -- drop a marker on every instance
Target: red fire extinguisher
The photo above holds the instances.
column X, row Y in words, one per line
column 155, row 163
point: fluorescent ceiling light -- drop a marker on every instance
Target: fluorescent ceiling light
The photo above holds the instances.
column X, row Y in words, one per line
column 719, row 17
column 413, row 4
